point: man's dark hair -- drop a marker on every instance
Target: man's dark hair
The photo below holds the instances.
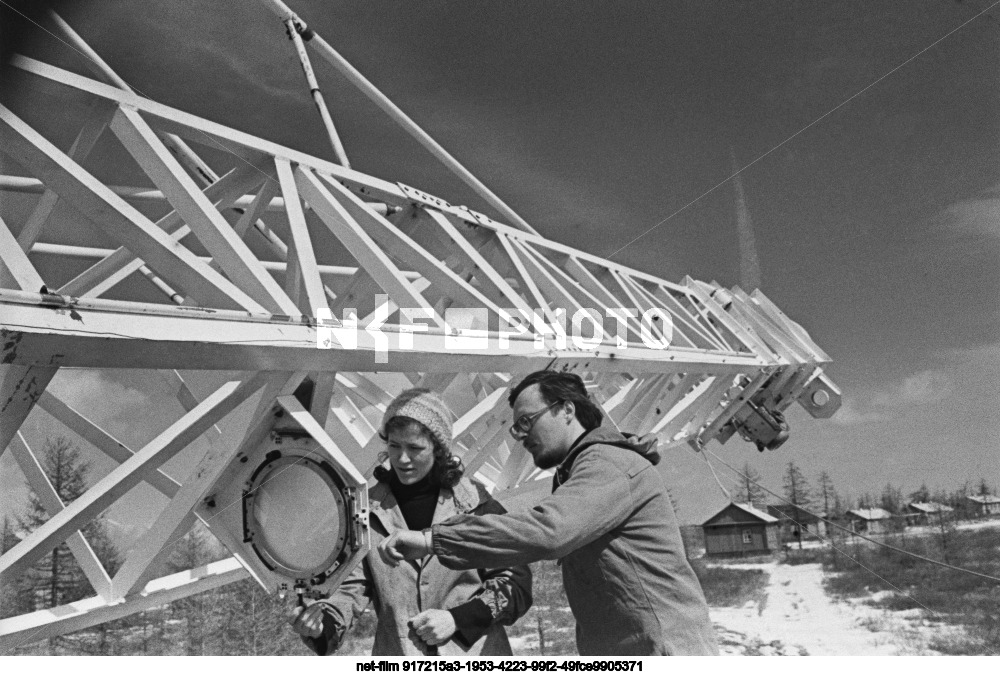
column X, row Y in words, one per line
column 555, row 387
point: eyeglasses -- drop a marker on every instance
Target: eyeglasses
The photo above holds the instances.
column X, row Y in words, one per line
column 525, row 423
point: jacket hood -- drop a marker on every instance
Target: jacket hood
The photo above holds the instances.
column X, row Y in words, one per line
column 610, row 436
column 606, row 435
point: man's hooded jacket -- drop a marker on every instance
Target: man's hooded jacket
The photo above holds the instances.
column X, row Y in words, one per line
column 610, row 523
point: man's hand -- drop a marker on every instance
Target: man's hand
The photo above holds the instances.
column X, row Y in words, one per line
column 433, row 627
column 404, row 545
column 307, row 620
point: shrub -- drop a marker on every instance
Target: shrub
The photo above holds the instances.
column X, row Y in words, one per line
column 947, row 595
column 729, row 587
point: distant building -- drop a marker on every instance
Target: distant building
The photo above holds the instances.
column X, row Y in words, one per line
column 740, row 530
column 870, row 521
column 925, row 513
column 985, row 505
column 796, row 524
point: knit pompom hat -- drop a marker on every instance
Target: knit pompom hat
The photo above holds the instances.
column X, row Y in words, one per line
column 426, row 407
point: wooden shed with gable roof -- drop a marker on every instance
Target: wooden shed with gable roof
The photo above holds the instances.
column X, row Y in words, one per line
column 926, row 513
column 985, row 505
column 871, row 521
column 741, row 530
column 796, row 523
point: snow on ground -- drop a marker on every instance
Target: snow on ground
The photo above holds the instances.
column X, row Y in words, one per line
column 797, row 617
column 978, row 524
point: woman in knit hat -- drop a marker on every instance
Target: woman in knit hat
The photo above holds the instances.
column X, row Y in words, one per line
column 422, row 607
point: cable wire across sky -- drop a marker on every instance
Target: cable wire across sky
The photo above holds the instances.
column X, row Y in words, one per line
column 803, row 129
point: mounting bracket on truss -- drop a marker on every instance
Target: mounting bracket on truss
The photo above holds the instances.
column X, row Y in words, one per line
column 290, row 506
column 756, row 423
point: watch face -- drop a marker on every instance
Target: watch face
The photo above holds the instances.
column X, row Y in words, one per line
column 298, row 516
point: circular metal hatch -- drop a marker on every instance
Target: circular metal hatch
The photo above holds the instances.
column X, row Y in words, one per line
column 295, row 516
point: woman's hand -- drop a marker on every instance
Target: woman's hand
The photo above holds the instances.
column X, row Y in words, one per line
column 433, row 627
column 308, row 620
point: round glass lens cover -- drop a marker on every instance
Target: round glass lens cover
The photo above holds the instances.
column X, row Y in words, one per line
column 298, row 516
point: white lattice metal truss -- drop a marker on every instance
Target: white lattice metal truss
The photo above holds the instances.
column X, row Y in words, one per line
column 732, row 362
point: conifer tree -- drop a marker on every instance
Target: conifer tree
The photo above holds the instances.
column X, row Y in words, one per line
column 798, row 495
column 750, row 491
column 197, row 614
column 892, row 499
column 921, row 495
column 797, row 489
column 983, row 489
column 828, row 495
column 57, row 579
column 13, row 596
column 252, row 622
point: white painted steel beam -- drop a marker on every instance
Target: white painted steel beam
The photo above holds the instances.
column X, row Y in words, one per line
column 131, row 193
column 93, row 253
column 101, row 439
column 533, row 295
column 331, row 131
column 312, row 427
column 176, row 519
column 368, row 89
column 408, row 251
column 84, row 142
column 20, row 385
column 207, row 224
column 718, row 313
column 22, row 630
column 484, row 271
column 117, row 219
column 173, row 522
column 582, row 297
column 555, row 294
column 203, row 131
column 122, row 479
column 642, row 303
column 302, row 280
column 583, row 276
column 114, row 268
column 16, row 271
column 104, row 335
column 53, row 504
column 370, row 256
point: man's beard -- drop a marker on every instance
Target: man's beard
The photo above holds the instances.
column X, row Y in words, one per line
column 547, row 459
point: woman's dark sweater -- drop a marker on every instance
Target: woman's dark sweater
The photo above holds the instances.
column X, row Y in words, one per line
column 417, row 503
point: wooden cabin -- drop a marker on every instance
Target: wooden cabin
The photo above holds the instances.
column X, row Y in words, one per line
column 741, row 530
column 985, row 505
column 796, row 524
column 870, row 521
column 926, row 513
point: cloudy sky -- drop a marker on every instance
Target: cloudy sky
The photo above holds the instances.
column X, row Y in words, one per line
column 869, row 133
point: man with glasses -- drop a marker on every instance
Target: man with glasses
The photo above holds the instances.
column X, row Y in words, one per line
column 609, row 522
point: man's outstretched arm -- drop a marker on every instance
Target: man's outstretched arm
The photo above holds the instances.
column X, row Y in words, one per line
column 593, row 501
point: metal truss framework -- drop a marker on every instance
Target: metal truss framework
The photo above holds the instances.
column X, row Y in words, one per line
column 251, row 254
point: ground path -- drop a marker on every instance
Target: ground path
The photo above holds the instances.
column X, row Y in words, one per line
column 797, row 617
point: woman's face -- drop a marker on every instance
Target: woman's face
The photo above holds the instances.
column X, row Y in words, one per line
column 411, row 453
